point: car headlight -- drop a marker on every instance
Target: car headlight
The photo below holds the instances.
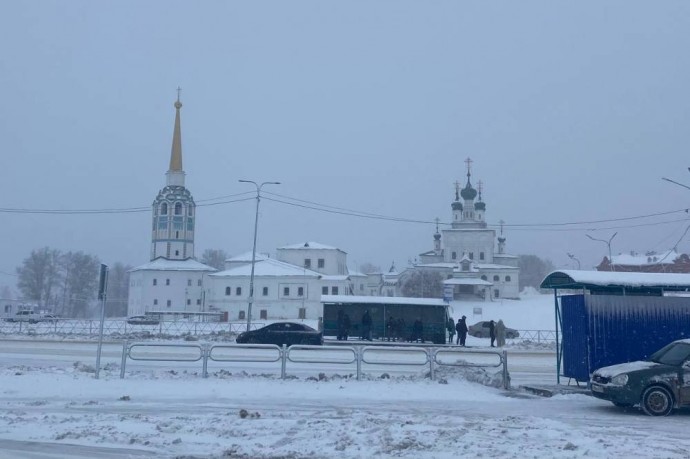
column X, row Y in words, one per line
column 620, row 380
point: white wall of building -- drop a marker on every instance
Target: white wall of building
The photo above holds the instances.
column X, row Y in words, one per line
column 165, row 291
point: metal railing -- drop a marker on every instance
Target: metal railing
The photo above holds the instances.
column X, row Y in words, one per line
column 539, row 336
column 313, row 355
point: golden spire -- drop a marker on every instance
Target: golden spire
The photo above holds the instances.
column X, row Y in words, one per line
column 176, row 153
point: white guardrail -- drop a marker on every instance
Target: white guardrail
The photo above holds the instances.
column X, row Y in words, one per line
column 433, row 357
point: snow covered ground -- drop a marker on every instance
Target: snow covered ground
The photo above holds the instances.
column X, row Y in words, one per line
column 59, row 410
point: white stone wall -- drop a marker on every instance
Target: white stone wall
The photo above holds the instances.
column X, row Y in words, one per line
column 144, row 296
column 335, row 261
column 475, row 241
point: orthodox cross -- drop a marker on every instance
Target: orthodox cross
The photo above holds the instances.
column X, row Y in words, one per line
column 468, row 161
column 178, row 93
column 501, row 222
column 437, row 221
column 457, row 190
column 479, row 187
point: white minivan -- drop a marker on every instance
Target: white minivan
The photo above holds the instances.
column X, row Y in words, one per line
column 25, row 316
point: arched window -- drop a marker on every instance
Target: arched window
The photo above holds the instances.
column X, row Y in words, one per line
column 227, row 291
column 483, row 277
column 496, row 279
column 507, row 278
column 178, row 208
column 164, row 208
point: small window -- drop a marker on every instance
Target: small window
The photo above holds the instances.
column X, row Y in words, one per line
column 300, row 291
column 263, row 314
column 164, row 208
column 189, row 282
column 471, row 255
column 155, row 282
column 507, row 278
column 198, row 302
column 496, row 293
column 241, row 315
column 264, row 291
column 168, row 303
column 238, row 291
column 324, row 290
column 481, row 255
column 454, row 256
column 227, row 291
column 198, row 283
column 189, row 302
column 307, row 263
column 484, row 278
column 167, row 281
column 155, row 302
column 496, row 279
column 334, row 290
column 178, row 208
column 286, row 291
column 322, row 263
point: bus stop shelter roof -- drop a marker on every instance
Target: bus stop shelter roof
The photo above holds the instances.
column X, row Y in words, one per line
column 616, row 281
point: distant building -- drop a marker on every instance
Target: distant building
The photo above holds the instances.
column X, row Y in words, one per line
column 287, row 287
column 173, row 280
column 465, row 254
column 650, row 262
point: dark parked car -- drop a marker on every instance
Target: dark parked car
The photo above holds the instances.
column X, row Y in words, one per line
column 142, row 320
column 280, row 333
column 481, row 330
column 657, row 385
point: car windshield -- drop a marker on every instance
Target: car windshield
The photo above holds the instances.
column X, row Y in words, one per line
column 673, row 354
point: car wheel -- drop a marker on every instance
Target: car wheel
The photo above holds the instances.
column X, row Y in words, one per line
column 657, row 401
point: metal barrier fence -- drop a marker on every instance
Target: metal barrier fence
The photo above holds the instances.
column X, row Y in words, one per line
column 540, row 336
column 303, row 354
column 118, row 328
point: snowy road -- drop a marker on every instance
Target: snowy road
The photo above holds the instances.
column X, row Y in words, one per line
column 52, row 408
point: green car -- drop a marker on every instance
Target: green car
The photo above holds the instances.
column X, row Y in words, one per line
column 657, row 385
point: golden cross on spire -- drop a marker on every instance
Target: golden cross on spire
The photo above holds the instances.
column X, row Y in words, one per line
column 468, row 161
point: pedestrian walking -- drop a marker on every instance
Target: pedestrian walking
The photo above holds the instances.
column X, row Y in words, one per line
column 461, row 328
column 450, row 326
column 492, row 332
column 500, row 333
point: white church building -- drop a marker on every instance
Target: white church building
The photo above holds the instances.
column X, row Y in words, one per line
column 173, row 281
column 466, row 254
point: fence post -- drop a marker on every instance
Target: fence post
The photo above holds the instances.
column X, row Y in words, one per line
column 206, row 349
column 125, row 350
column 538, row 336
column 358, row 355
column 430, row 356
column 506, row 376
column 283, row 354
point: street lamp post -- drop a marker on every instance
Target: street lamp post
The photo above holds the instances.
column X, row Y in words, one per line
column 256, row 226
column 608, row 244
column 573, row 257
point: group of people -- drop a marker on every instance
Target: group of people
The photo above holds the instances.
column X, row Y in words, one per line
column 497, row 332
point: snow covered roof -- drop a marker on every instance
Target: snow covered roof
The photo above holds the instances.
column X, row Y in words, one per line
column 161, row 264
column 308, row 245
column 610, row 279
column 381, row 300
column 466, row 281
column 480, row 266
column 639, row 259
column 247, row 256
column 267, row 267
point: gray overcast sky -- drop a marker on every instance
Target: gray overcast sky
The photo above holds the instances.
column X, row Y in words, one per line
column 571, row 111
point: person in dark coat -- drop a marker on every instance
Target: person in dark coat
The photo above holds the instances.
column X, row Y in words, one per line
column 461, row 328
column 366, row 326
column 492, row 332
column 418, row 331
column 390, row 329
column 341, row 324
column 346, row 327
column 450, row 326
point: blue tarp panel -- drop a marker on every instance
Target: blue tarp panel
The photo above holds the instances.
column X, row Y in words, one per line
column 575, row 334
column 618, row 329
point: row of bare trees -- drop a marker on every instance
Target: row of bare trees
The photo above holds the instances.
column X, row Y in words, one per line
column 67, row 282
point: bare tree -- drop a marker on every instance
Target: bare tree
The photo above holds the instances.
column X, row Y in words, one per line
column 214, row 258
column 80, row 282
column 533, row 270
column 368, row 268
column 39, row 275
column 423, row 284
column 118, row 290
